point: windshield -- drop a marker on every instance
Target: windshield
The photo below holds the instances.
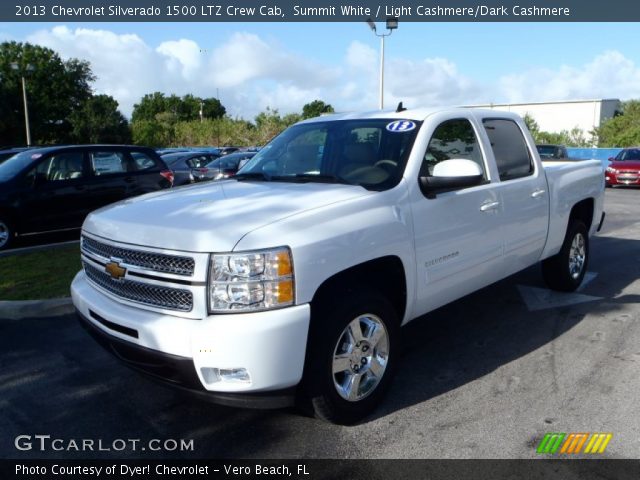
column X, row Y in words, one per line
column 632, row 154
column 14, row 165
column 369, row 153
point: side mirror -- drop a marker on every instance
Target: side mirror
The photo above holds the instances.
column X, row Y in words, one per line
column 611, row 159
column 451, row 175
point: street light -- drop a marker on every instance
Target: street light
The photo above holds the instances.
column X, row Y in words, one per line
column 28, row 68
column 391, row 24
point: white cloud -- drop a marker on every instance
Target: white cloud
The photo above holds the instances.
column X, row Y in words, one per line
column 251, row 73
column 182, row 57
column 608, row 75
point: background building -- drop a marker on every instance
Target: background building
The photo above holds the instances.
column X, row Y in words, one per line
column 558, row 116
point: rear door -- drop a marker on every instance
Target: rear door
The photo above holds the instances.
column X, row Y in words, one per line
column 523, row 193
column 146, row 168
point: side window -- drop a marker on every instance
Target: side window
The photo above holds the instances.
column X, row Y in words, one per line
column 108, row 162
column 452, row 139
column 198, row 162
column 509, row 148
column 142, row 161
column 62, row 166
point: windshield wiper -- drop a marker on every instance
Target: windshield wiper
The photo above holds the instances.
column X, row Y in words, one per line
column 312, row 177
column 253, row 176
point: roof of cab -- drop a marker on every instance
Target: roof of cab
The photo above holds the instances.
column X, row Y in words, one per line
column 417, row 114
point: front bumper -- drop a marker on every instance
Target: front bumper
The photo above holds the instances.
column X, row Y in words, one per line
column 184, row 352
column 622, row 178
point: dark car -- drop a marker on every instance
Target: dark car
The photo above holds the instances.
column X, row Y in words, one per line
column 189, row 167
column 227, row 166
column 624, row 168
column 552, row 152
column 10, row 152
column 54, row 188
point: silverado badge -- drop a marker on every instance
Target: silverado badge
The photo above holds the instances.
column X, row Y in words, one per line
column 114, row 269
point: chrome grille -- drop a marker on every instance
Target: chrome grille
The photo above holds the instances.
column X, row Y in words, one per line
column 145, row 293
column 157, row 262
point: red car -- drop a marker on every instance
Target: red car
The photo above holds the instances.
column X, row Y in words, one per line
column 624, row 168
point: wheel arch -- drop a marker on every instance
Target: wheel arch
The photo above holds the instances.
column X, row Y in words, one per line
column 386, row 271
column 583, row 211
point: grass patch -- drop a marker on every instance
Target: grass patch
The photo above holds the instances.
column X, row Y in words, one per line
column 39, row 275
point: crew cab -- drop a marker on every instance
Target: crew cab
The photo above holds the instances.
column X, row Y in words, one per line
column 290, row 282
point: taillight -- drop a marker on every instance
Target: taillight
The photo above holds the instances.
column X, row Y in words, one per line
column 203, row 170
column 168, row 174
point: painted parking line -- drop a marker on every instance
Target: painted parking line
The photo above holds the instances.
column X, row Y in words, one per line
column 542, row 298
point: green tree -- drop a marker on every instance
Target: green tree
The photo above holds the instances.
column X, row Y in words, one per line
column 183, row 109
column 532, row 125
column 315, row 109
column 150, row 105
column 212, row 108
column 100, row 121
column 150, row 133
column 55, row 89
column 622, row 130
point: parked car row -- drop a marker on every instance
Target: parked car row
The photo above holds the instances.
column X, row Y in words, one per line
column 193, row 166
column 623, row 169
column 45, row 189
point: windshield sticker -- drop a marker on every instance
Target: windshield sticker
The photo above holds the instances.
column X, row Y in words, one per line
column 401, row 126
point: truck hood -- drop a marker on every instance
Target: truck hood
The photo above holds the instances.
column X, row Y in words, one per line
column 213, row 216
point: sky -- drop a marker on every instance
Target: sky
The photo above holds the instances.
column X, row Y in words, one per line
column 252, row 66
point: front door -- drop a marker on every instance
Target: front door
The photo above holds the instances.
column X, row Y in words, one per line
column 57, row 197
column 458, row 234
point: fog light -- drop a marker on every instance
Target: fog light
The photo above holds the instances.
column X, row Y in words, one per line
column 233, row 375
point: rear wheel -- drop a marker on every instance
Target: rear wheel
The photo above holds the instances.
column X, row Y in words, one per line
column 6, row 233
column 351, row 358
column 566, row 270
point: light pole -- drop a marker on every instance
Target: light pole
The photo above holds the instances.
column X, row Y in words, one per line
column 391, row 24
column 28, row 68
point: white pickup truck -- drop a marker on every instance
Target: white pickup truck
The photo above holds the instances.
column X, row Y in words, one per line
column 290, row 282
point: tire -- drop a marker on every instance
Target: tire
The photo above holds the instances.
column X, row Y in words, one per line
column 565, row 270
column 7, row 233
column 345, row 376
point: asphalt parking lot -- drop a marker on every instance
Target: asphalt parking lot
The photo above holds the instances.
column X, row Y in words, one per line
column 484, row 377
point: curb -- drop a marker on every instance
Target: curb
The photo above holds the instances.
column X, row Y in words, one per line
column 17, row 310
column 36, row 248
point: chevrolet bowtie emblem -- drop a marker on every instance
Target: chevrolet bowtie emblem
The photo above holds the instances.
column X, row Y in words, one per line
column 114, row 269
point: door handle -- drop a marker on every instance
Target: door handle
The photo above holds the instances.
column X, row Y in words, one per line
column 129, row 179
column 489, row 206
column 538, row 193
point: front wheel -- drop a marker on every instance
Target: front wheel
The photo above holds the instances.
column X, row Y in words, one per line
column 565, row 270
column 351, row 357
column 6, row 233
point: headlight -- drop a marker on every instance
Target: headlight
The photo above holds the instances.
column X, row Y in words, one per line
column 611, row 170
column 250, row 281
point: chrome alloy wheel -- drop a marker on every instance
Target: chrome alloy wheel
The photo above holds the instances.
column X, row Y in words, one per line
column 577, row 256
column 4, row 234
column 360, row 357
